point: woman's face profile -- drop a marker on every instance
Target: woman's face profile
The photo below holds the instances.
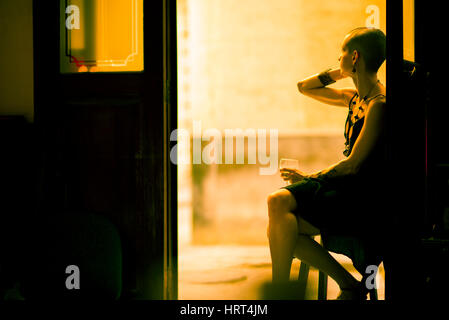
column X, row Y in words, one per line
column 345, row 58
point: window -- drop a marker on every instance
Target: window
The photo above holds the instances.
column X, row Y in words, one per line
column 101, row 36
column 409, row 29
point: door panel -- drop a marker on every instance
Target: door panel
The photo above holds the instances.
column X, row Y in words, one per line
column 101, row 142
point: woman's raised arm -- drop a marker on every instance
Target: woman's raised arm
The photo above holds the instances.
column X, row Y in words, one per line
column 312, row 87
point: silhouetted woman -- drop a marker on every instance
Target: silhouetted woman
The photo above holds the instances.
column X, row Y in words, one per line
column 340, row 199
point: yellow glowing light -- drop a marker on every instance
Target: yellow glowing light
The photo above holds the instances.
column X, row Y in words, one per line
column 82, row 69
column 119, row 42
column 77, row 39
column 409, row 29
column 105, row 33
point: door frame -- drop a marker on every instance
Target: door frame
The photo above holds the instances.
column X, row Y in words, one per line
column 170, row 170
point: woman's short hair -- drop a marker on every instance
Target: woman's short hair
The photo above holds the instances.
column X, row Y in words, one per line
column 371, row 45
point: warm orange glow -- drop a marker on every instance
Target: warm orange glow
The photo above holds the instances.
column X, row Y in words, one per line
column 238, row 65
column 409, row 29
column 239, row 69
column 119, row 34
column 82, row 69
column 105, row 34
column 77, row 36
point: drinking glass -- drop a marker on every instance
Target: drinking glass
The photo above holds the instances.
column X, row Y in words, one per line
column 289, row 164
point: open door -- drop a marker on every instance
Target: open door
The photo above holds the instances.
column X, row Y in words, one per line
column 102, row 103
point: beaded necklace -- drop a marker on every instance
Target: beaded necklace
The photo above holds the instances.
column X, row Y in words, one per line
column 364, row 99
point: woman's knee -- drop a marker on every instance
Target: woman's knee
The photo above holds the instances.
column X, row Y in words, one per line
column 280, row 201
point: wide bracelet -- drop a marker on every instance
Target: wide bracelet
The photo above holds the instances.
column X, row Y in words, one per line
column 325, row 78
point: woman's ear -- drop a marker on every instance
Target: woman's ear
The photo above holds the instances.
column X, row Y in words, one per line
column 355, row 58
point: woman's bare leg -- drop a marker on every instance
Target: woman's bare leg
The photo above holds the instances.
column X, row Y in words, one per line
column 282, row 233
column 289, row 236
column 311, row 252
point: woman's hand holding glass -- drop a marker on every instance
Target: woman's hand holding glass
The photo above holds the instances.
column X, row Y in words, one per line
column 292, row 175
column 289, row 169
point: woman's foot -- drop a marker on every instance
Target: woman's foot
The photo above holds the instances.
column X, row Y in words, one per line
column 357, row 292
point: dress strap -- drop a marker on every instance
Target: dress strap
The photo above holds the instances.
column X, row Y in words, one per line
column 352, row 99
column 377, row 95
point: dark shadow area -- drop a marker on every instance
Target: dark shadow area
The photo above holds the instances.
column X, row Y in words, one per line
column 83, row 185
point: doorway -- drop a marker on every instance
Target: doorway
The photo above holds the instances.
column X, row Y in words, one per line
column 238, row 65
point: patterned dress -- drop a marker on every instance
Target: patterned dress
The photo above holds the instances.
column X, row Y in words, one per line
column 350, row 205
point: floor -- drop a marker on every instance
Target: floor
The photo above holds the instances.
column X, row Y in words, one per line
column 240, row 273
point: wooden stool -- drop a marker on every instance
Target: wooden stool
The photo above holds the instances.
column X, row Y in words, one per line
column 360, row 257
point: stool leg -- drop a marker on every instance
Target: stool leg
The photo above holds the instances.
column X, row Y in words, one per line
column 322, row 286
column 302, row 279
column 322, row 281
column 373, row 294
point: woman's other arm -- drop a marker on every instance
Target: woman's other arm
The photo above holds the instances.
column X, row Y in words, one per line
column 312, row 87
column 367, row 140
column 373, row 127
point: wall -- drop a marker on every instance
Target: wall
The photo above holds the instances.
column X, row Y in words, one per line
column 16, row 58
column 244, row 58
